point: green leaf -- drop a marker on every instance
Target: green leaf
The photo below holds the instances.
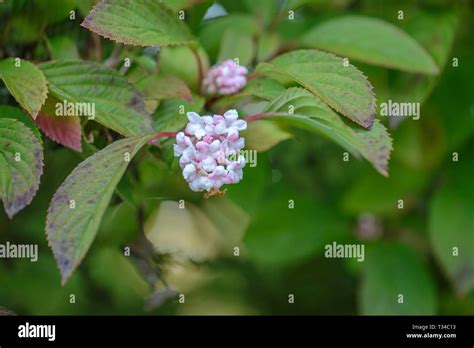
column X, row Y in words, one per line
column 171, row 113
column 297, row 234
column 300, row 108
column 118, row 104
column 26, row 83
column 138, row 22
column 195, row 14
column 265, row 10
column 53, row 11
column 420, row 145
column 268, row 44
column 157, row 87
column 70, row 231
column 84, row 6
column 7, row 111
column 372, row 41
column 392, row 270
column 262, row 136
column 362, row 197
column 142, row 67
column 435, row 32
column 24, row 29
column 62, row 47
column 342, row 87
column 451, row 225
column 263, row 87
column 126, row 288
column 177, row 5
column 182, row 63
column 21, row 165
column 237, row 45
column 212, row 31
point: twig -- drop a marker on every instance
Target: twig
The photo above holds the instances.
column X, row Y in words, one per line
column 200, row 67
column 114, row 58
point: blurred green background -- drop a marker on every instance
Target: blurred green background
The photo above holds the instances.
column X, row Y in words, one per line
column 409, row 251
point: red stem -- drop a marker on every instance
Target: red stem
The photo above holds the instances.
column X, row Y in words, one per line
column 264, row 115
column 162, row 135
column 200, row 67
column 252, row 76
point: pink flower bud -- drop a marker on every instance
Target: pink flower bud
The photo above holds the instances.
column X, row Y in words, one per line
column 223, row 79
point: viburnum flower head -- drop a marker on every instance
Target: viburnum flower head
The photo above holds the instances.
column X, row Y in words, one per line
column 209, row 150
column 225, row 78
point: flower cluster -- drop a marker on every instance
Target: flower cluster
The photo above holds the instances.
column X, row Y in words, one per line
column 225, row 78
column 209, row 150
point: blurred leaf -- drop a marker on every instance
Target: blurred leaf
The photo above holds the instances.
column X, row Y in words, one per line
column 171, row 113
column 24, row 29
column 453, row 100
column 345, row 89
column 213, row 31
column 229, row 219
column 177, row 5
column 268, row 45
column 118, row 104
column 21, row 165
column 379, row 195
column 290, row 30
column 84, row 6
column 247, row 195
column 420, row 145
column 455, row 305
column 65, row 130
column 236, row 45
column 53, row 11
column 119, row 225
column 42, row 295
column 159, row 87
column 195, row 14
column 297, row 234
column 70, row 231
column 262, row 136
column 435, row 31
column 300, row 108
column 186, row 233
column 182, row 63
column 62, row 47
column 392, row 270
column 265, row 10
column 452, row 224
column 26, row 83
column 125, row 288
column 372, row 41
column 139, row 22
